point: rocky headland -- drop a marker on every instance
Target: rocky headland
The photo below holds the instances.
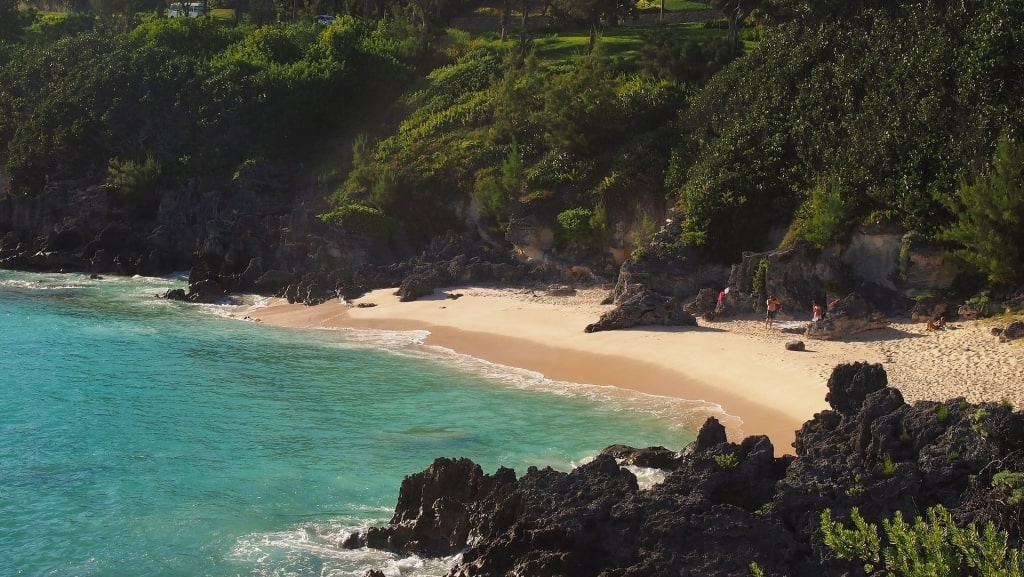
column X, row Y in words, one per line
column 722, row 505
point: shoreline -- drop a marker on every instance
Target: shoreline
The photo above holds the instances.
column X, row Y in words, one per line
column 736, row 365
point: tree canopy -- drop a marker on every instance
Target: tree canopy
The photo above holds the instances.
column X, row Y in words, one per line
column 841, row 114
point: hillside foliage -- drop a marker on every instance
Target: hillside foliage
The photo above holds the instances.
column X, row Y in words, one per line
column 841, row 114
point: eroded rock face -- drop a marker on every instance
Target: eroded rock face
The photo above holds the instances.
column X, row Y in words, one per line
column 797, row 277
column 723, row 504
column 850, row 316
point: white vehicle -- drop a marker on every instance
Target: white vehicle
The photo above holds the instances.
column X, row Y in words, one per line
column 190, row 9
column 325, row 20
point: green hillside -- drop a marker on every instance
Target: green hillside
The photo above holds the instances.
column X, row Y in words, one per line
column 819, row 118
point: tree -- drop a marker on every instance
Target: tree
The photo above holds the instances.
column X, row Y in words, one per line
column 989, row 228
column 735, row 11
column 10, row 21
column 594, row 12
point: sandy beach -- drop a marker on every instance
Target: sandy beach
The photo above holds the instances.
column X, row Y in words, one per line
column 738, row 364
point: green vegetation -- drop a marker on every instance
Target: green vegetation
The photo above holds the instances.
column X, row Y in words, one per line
column 855, row 491
column 199, row 96
column 574, row 225
column 990, row 227
column 135, row 182
column 933, row 545
column 760, row 281
column 727, row 461
column 361, row 218
column 888, row 468
column 827, row 116
column 1013, row 482
column 979, row 419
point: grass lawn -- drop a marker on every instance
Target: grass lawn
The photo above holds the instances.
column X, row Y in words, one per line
column 618, row 41
column 223, row 14
column 674, row 5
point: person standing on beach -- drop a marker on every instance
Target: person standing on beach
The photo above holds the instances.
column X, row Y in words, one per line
column 773, row 305
column 816, row 312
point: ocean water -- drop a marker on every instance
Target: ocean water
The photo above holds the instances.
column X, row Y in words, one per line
column 140, row 436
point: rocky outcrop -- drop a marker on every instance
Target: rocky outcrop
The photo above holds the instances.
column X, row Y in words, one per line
column 850, row 316
column 1012, row 331
column 722, row 505
column 797, row 276
column 664, row 267
column 931, row 308
column 641, row 308
column 705, row 304
column 416, row 286
column 88, row 229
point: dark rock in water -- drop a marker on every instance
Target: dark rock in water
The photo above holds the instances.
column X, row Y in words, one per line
column 436, row 508
column 644, row 307
column 711, row 434
column 175, row 295
column 722, row 505
column 205, row 291
column 649, row 457
column 795, row 346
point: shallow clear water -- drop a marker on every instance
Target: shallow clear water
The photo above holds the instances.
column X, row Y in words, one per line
column 140, row 436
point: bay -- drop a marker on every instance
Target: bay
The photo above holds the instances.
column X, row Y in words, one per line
column 141, row 436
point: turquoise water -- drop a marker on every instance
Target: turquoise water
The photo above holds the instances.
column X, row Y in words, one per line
column 140, row 436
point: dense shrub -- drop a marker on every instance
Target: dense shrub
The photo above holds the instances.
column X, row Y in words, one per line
column 932, row 545
column 361, row 218
column 574, row 225
column 136, row 183
column 891, row 109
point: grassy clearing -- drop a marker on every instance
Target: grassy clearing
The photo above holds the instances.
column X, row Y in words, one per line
column 619, row 41
column 223, row 14
column 673, row 5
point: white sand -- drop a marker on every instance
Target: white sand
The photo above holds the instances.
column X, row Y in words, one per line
column 738, row 365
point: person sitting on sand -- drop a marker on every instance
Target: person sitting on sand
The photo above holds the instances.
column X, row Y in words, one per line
column 773, row 305
column 939, row 324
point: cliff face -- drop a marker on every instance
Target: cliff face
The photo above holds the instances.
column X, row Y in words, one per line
column 257, row 232
column 723, row 504
column 260, row 233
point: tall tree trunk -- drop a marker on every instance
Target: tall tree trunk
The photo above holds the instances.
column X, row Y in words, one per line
column 506, row 13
